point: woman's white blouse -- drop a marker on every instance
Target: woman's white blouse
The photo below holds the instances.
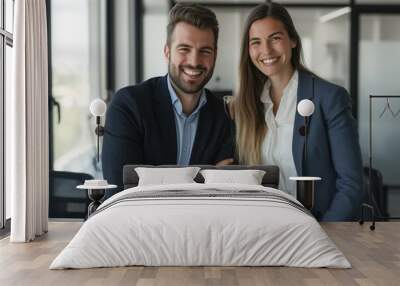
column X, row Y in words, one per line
column 277, row 144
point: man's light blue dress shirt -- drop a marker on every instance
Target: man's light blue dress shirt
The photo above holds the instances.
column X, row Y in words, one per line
column 186, row 126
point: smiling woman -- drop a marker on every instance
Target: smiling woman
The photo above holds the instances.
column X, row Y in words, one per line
column 273, row 80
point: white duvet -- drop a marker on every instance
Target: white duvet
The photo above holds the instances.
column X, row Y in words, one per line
column 183, row 231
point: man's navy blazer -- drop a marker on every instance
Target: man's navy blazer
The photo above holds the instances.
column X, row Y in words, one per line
column 333, row 150
column 140, row 129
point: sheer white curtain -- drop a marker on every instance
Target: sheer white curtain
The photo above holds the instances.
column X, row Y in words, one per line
column 27, row 117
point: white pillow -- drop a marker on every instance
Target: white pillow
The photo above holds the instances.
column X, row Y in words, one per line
column 248, row 177
column 164, row 176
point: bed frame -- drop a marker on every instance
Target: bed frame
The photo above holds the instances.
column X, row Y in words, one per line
column 270, row 179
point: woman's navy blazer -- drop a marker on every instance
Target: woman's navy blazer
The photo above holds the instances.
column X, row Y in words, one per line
column 333, row 150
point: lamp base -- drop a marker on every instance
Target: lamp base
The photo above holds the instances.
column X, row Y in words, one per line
column 95, row 195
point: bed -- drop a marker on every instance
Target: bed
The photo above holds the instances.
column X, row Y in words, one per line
column 201, row 224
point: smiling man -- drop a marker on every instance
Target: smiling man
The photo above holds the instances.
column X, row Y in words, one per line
column 172, row 119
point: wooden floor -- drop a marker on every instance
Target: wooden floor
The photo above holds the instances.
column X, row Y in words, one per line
column 374, row 255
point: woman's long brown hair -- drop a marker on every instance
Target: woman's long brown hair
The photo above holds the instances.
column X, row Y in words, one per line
column 249, row 110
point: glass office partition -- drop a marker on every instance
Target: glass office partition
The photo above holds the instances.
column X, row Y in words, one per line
column 325, row 43
column 379, row 63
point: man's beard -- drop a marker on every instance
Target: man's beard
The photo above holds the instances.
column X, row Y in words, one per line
column 175, row 73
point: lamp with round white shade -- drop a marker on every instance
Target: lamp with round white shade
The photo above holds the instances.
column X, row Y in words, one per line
column 305, row 108
column 98, row 108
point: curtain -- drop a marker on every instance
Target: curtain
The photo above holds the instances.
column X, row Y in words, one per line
column 27, row 137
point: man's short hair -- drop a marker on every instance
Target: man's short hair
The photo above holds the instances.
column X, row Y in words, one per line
column 195, row 15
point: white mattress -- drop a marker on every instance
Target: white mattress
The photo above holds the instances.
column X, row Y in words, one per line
column 183, row 231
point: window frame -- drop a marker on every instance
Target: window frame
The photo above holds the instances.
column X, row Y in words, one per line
column 6, row 39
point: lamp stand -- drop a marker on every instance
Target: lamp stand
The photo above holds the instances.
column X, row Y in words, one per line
column 305, row 139
column 99, row 132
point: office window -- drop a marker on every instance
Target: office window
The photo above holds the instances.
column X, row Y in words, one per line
column 155, row 19
column 8, row 70
column 9, row 12
column 77, row 73
column 326, row 41
column 2, row 125
column 6, row 42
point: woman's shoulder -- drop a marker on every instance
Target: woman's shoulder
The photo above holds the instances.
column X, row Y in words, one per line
column 322, row 86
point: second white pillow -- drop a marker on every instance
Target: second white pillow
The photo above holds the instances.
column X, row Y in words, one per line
column 165, row 176
column 248, row 177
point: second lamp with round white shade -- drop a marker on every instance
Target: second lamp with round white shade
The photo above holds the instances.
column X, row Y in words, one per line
column 305, row 186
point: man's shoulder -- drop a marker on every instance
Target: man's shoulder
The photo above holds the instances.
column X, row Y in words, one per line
column 143, row 91
column 142, row 99
column 325, row 90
